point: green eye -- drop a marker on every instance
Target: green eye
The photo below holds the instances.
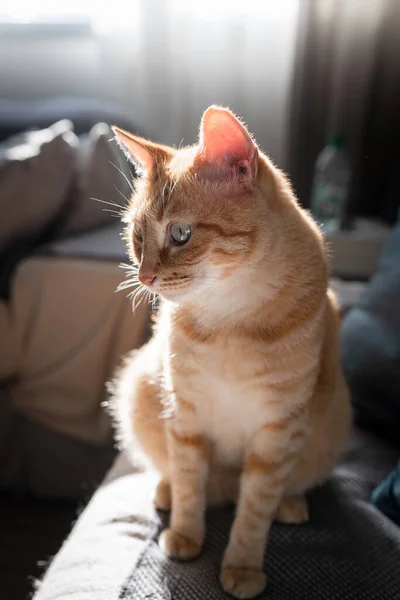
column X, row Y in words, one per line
column 180, row 232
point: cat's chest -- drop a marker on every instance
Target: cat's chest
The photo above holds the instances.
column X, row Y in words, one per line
column 229, row 407
column 229, row 416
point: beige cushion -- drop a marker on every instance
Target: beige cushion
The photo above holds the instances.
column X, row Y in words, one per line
column 64, row 331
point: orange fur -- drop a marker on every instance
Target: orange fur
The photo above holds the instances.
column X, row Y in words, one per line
column 240, row 387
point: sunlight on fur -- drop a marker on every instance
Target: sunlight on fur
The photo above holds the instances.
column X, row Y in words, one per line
column 239, row 395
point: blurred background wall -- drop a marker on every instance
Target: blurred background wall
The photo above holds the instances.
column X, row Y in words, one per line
column 166, row 60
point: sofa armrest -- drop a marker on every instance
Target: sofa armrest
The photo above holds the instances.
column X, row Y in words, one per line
column 112, row 552
column 67, row 330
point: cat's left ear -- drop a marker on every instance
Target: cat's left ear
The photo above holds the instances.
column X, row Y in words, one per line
column 136, row 149
column 225, row 145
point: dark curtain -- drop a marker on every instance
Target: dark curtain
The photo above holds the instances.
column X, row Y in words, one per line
column 347, row 80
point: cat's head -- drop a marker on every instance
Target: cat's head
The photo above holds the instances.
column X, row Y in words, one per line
column 195, row 219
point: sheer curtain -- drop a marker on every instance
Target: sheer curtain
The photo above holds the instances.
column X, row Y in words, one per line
column 192, row 54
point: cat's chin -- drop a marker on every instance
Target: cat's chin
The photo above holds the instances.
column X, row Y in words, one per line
column 173, row 296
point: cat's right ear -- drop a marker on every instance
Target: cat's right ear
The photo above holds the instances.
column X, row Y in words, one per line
column 225, row 146
column 136, row 149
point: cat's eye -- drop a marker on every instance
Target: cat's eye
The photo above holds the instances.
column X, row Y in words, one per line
column 180, row 232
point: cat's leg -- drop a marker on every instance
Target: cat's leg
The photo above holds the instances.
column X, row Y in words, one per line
column 162, row 498
column 269, row 460
column 189, row 457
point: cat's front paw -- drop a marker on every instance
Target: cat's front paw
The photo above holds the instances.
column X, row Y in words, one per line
column 177, row 545
column 242, row 582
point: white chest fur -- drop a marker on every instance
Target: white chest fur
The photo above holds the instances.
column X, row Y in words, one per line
column 228, row 410
column 229, row 416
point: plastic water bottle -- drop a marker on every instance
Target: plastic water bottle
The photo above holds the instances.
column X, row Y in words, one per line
column 331, row 185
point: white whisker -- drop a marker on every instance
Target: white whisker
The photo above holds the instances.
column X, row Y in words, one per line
column 129, row 267
column 119, row 192
column 137, row 297
column 128, row 283
column 108, row 202
column 127, row 166
column 123, row 175
column 113, row 213
column 171, row 190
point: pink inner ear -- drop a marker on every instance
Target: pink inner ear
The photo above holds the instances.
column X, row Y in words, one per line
column 224, row 142
column 134, row 149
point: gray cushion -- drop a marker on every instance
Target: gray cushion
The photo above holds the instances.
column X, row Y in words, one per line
column 36, row 174
column 103, row 182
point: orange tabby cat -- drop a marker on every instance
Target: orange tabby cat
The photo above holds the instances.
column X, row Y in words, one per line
column 239, row 395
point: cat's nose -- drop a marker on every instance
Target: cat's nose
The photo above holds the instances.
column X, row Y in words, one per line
column 147, row 278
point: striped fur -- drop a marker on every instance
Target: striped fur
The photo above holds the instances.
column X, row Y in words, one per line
column 239, row 394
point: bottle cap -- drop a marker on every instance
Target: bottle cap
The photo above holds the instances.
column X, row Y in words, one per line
column 336, row 141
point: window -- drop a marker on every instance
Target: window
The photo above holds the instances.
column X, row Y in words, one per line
column 97, row 15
